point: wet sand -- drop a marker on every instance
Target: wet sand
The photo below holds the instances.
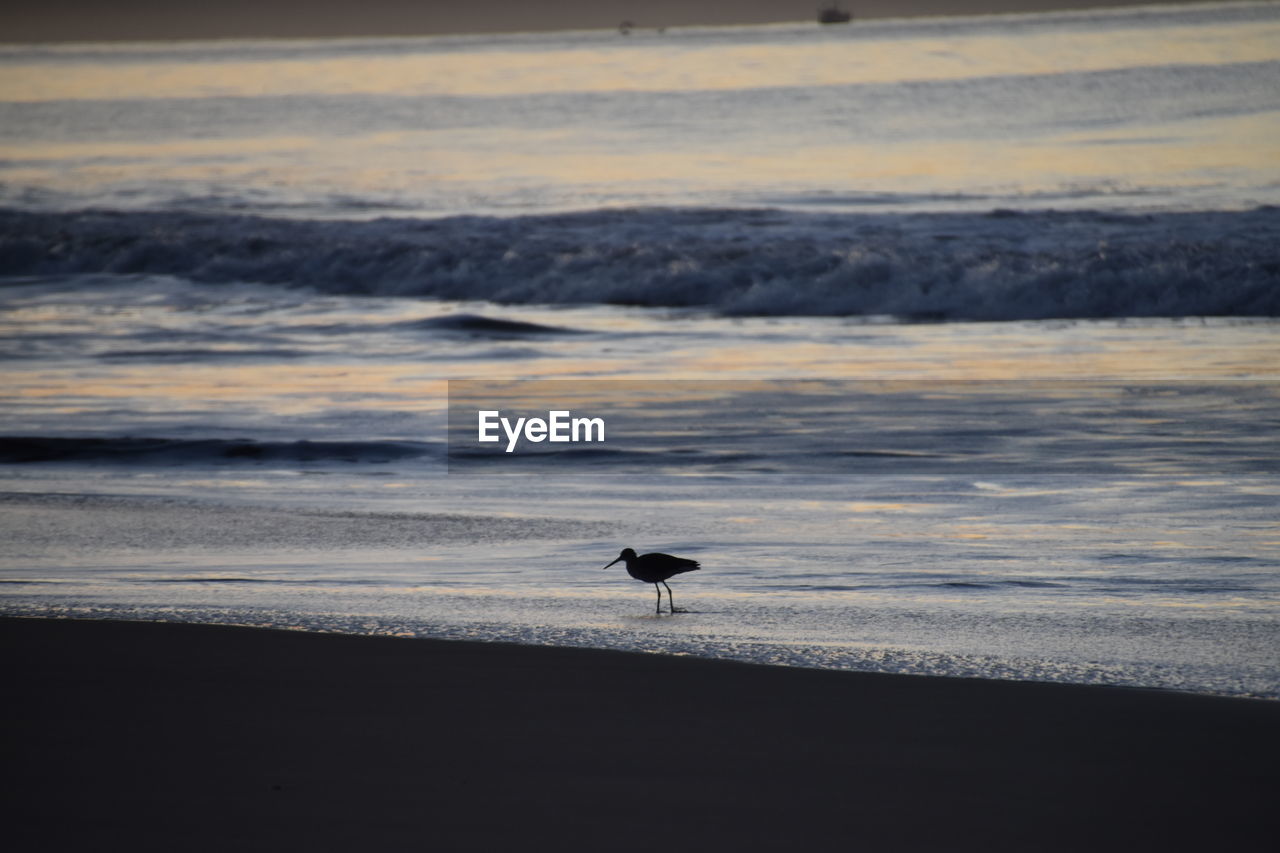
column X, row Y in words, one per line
column 191, row 737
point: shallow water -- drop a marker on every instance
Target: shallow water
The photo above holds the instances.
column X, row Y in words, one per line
column 1100, row 531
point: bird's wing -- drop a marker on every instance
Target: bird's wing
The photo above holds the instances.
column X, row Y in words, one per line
column 686, row 565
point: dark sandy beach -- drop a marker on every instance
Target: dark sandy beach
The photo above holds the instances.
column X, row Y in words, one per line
column 191, row 737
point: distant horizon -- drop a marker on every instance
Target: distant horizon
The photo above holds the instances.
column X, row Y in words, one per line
column 61, row 21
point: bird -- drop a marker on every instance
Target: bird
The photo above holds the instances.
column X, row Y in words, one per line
column 655, row 569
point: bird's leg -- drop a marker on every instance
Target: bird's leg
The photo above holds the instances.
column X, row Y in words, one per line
column 659, row 608
column 671, row 600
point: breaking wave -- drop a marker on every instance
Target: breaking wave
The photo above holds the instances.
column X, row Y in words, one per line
column 1001, row 265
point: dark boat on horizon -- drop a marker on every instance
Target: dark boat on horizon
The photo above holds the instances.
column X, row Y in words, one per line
column 833, row 14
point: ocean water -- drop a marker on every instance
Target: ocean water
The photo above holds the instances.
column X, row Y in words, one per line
column 948, row 346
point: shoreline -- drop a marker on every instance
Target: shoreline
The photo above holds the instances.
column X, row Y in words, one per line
column 206, row 737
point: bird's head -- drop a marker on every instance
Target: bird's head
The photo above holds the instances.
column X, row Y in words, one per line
column 627, row 554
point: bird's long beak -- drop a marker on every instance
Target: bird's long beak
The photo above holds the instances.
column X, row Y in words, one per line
column 613, row 562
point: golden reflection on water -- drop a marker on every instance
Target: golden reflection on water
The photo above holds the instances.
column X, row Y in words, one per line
column 1012, row 351
column 610, row 65
column 448, row 163
column 869, row 506
column 279, row 389
column 979, row 351
column 451, row 159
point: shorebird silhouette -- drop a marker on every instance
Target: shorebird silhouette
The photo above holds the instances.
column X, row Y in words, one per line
column 655, row 569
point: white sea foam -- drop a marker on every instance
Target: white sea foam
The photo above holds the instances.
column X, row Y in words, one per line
column 1002, row 265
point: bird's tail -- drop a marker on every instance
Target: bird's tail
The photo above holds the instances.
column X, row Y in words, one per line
column 688, row 566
